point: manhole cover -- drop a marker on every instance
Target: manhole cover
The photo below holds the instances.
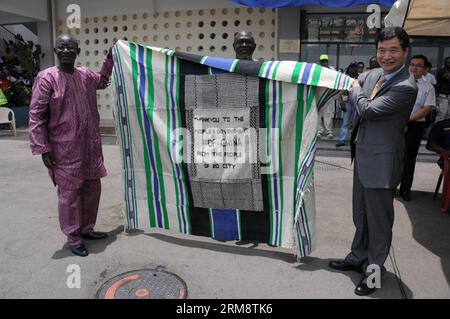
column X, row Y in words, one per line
column 144, row 284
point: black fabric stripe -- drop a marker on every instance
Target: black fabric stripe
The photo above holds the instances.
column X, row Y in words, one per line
column 190, row 64
column 199, row 217
column 255, row 226
column 248, row 67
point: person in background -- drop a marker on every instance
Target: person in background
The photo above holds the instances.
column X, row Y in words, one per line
column 352, row 71
column 326, row 112
column 3, row 100
column 439, row 142
column 443, row 91
column 425, row 102
column 429, row 76
column 361, row 66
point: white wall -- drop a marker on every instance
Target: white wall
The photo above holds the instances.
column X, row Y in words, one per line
column 92, row 8
column 36, row 9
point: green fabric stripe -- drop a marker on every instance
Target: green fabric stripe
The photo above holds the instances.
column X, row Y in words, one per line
column 169, row 139
column 268, row 151
column 203, row 60
column 336, row 81
column 316, row 75
column 134, row 68
column 261, row 70
column 274, row 73
column 133, row 180
column 150, row 113
column 296, row 72
column 233, row 66
column 298, row 135
column 280, row 164
column 211, row 222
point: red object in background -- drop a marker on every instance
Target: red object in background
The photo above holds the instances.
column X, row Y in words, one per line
column 4, row 84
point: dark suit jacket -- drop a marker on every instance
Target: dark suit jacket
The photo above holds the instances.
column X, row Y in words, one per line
column 380, row 147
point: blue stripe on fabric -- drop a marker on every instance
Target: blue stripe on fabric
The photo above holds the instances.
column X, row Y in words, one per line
column 174, row 140
column 148, row 133
column 306, row 73
column 225, row 223
column 268, row 69
column 274, row 160
column 219, row 63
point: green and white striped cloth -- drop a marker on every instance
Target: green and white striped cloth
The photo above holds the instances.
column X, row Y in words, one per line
column 181, row 119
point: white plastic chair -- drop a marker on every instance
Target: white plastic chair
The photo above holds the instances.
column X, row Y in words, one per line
column 4, row 118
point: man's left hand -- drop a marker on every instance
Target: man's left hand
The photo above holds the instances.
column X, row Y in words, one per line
column 109, row 56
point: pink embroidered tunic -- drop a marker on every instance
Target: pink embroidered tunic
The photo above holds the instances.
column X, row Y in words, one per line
column 64, row 120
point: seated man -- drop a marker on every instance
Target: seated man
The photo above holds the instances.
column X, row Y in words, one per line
column 439, row 142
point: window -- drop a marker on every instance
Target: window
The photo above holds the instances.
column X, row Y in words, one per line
column 345, row 27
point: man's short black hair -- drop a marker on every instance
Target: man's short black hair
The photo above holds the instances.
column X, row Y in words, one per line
column 394, row 32
column 421, row 56
column 361, row 63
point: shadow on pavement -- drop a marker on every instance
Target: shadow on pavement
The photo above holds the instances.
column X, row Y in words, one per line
column 93, row 246
column 226, row 248
column 431, row 228
column 389, row 285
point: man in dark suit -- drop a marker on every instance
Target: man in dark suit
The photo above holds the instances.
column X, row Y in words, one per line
column 383, row 103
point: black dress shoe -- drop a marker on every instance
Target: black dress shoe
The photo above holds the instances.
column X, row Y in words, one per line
column 343, row 265
column 95, row 235
column 362, row 289
column 79, row 250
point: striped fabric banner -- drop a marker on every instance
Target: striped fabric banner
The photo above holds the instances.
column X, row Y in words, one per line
column 220, row 147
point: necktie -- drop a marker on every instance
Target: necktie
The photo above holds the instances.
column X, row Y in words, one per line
column 377, row 87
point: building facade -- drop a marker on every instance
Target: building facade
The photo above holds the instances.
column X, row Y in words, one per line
column 207, row 28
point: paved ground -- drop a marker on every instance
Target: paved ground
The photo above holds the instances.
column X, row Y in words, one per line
column 34, row 259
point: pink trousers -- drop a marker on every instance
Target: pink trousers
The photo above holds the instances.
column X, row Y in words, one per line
column 78, row 210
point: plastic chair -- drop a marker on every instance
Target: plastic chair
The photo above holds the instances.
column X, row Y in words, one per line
column 445, row 175
column 4, row 118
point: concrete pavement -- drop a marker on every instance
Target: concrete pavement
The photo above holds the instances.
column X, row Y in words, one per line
column 34, row 259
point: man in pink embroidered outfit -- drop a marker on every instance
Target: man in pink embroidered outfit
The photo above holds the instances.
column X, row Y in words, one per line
column 64, row 129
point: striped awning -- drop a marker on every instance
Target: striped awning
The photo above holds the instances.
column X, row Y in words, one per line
column 421, row 17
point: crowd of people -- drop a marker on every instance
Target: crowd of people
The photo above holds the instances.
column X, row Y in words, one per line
column 15, row 80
